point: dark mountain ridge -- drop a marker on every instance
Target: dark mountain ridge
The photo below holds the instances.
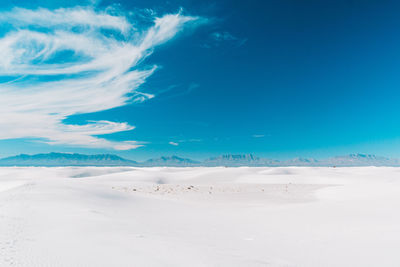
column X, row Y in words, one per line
column 66, row 159
column 229, row 160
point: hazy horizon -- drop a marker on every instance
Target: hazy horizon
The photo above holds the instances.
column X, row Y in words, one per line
column 226, row 155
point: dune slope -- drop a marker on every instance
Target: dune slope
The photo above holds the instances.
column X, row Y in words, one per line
column 123, row 216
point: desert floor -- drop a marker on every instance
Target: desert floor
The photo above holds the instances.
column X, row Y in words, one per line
column 115, row 216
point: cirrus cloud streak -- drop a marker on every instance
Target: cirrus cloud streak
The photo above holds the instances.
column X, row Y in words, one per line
column 64, row 62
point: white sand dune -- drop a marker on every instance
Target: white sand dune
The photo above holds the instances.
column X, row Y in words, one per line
column 199, row 216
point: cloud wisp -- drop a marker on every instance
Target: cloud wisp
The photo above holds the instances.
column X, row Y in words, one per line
column 217, row 39
column 173, row 143
column 64, row 62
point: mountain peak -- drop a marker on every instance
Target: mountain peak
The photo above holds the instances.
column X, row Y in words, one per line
column 236, row 157
column 170, row 161
column 65, row 159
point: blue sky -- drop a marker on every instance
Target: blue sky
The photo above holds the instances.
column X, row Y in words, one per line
column 141, row 79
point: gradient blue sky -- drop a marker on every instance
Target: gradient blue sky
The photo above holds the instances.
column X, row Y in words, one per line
column 279, row 79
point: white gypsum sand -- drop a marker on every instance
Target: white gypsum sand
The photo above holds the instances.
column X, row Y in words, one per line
column 199, row 216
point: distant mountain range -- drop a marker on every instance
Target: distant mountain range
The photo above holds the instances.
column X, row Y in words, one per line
column 66, row 159
column 172, row 161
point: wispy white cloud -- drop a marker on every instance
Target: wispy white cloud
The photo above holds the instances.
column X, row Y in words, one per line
column 173, row 143
column 258, row 135
column 177, row 91
column 223, row 36
column 64, row 62
column 219, row 38
column 65, row 18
